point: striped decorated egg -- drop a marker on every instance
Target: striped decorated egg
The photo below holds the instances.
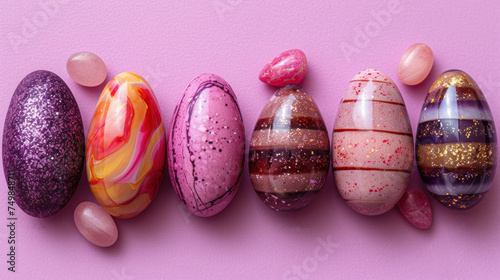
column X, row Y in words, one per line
column 125, row 154
column 456, row 143
column 372, row 147
column 289, row 153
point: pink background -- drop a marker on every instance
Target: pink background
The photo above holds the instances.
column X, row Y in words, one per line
column 171, row 42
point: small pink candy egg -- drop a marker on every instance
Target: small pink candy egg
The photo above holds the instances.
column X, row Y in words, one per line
column 416, row 208
column 415, row 64
column 86, row 69
column 287, row 68
column 95, row 224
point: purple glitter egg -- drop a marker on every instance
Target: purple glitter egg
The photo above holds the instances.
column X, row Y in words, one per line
column 43, row 147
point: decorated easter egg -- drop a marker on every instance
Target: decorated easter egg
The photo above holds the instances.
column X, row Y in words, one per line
column 43, row 144
column 372, row 147
column 456, row 143
column 125, row 154
column 289, row 155
column 206, row 146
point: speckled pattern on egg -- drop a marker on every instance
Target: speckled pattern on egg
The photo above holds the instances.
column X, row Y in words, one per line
column 372, row 147
column 456, row 143
column 206, row 146
column 289, row 155
column 43, row 144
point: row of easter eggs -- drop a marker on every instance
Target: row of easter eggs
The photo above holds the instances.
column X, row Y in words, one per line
column 289, row 155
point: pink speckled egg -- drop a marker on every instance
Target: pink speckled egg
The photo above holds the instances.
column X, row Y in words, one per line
column 206, row 146
column 372, row 147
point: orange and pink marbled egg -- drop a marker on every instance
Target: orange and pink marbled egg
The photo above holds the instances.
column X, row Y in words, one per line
column 125, row 154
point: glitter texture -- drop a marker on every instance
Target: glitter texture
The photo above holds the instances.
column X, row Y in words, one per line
column 456, row 141
column 289, row 153
column 43, row 144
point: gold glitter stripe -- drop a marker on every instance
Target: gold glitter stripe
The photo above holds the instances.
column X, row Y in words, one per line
column 453, row 78
column 457, row 155
column 462, row 94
